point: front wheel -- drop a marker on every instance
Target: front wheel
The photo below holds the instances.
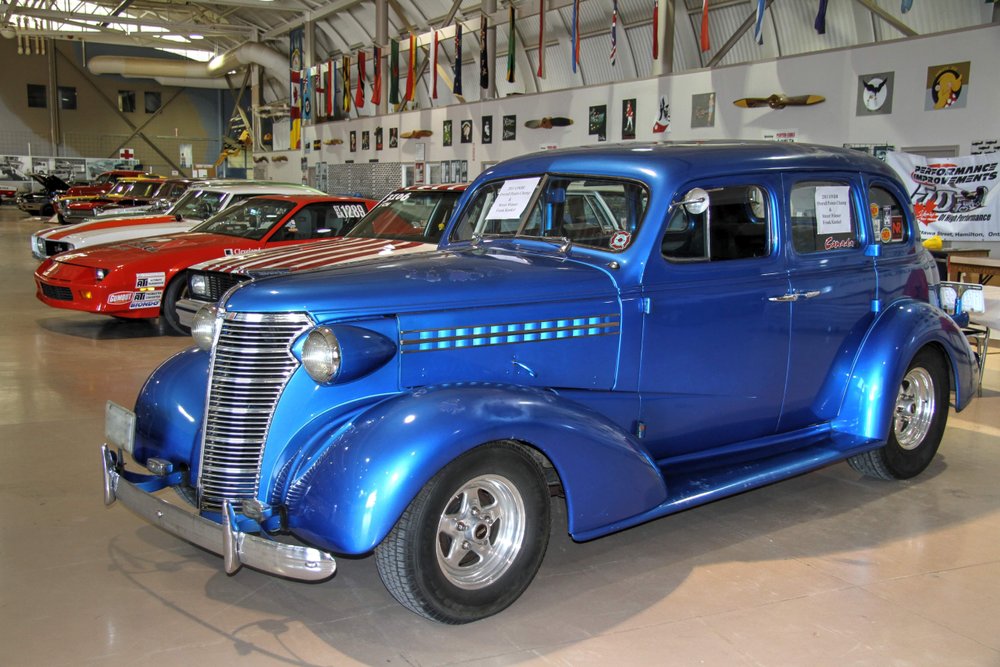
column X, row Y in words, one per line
column 176, row 290
column 472, row 540
column 918, row 421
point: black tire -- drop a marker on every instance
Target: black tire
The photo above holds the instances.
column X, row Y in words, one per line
column 47, row 211
column 919, row 418
column 176, row 290
column 429, row 562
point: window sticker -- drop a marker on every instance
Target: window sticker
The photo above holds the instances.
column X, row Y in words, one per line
column 833, row 209
column 620, row 240
column 513, row 198
column 145, row 300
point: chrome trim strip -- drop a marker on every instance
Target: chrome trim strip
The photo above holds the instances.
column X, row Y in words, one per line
column 236, row 547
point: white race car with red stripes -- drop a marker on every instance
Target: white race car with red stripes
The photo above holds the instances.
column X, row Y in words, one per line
column 408, row 220
column 194, row 206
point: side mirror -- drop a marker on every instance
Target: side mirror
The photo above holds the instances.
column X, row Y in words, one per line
column 695, row 201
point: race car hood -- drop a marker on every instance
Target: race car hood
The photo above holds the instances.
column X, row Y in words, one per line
column 111, row 255
column 104, row 230
column 439, row 280
column 51, row 182
column 318, row 255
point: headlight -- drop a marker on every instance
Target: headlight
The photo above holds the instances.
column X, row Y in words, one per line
column 40, row 245
column 204, row 325
column 198, row 284
column 101, row 274
column 321, row 355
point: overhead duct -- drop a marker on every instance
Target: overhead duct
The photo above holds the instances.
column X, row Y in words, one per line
column 274, row 63
column 192, row 82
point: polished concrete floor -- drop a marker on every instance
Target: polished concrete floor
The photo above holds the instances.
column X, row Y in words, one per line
column 825, row 569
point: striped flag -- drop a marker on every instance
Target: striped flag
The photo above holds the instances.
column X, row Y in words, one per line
column 576, row 33
column 541, row 39
column 393, row 71
column 434, row 68
column 411, row 69
column 511, row 44
column 820, row 23
column 758, row 26
column 705, row 46
column 907, row 5
column 345, row 72
column 484, row 60
column 457, row 87
column 656, row 29
column 614, row 34
column 359, row 97
column 377, row 82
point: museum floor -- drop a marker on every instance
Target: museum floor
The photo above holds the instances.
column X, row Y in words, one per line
column 826, row 569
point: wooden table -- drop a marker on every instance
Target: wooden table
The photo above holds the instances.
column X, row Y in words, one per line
column 984, row 267
column 945, row 255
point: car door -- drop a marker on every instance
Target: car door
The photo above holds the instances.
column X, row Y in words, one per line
column 715, row 342
column 833, row 287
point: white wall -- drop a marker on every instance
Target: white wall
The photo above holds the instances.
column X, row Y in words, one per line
column 832, row 74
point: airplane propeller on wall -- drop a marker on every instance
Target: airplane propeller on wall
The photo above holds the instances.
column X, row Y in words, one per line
column 779, row 101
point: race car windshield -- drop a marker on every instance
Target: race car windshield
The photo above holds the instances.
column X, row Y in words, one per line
column 251, row 219
column 408, row 216
column 198, row 204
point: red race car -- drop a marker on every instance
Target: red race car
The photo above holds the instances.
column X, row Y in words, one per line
column 145, row 277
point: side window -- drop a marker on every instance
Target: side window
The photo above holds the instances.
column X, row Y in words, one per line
column 822, row 217
column 888, row 219
column 735, row 226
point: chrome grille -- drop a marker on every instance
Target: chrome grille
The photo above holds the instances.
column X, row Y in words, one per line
column 250, row 366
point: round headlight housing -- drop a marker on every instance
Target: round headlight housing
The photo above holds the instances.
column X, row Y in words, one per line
column 198, row 284
column 321, row 355
column 204, row 325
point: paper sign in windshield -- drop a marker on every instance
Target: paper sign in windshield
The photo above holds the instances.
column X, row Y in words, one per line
column 512, row 199
column 833, row 209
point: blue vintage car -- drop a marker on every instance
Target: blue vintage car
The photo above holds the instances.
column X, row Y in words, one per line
column 636, row 329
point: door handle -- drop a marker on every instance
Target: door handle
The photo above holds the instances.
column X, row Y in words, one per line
column 811, row 293
column 793, row 296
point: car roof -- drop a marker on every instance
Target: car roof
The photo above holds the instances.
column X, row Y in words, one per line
column 313, row 199
column 262, row 188
column 437, row 187
column 682, row 161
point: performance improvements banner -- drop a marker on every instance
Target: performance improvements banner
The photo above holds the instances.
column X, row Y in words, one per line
column 954, row 197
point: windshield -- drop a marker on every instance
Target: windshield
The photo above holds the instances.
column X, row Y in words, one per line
column 408, row 216
column 251, row 219
column 595, row 212
column 120, row 188
column 143, row 188
column 199, row 204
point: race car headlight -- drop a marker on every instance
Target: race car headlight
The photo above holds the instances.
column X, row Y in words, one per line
column 321, row 355
column 100, row 274
column 40, row 245
column 204, row 326
column 198, row 284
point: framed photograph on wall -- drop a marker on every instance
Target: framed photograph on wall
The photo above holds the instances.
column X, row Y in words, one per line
column 703, row 110
column 446, row 171
column 487, row 132
column 875, row 94
column 597, row 121
column 466, row 131
column 354, row 141
column 510, row 128
column 393, row 137
column 628, row 118
column 446, row 133
column 365, row 140
column 378, row 138
column 947, row 86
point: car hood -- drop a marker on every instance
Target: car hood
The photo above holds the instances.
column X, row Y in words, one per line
column 51, row 182
column 91, row 231
column 440, row 280
column 121, row 253
column 308, row 256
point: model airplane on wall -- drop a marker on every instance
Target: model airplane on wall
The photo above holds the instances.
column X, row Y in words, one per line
column 779, row 101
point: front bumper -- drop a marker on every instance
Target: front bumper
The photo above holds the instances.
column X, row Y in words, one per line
column 236, row 547
column 187, row 308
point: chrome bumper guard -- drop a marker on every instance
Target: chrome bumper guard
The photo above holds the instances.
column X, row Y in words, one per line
column 236, row 548
column 186, row 309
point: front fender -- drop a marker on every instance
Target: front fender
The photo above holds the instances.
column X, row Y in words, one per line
column 170, row 408
column 352, row 496
column 897, row 335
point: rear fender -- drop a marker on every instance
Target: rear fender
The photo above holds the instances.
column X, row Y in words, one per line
column 352, row 495
column 894, row 339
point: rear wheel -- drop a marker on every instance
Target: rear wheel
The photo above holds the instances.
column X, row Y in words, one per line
column 919, row 418
column 176, row 290
column 473, row 538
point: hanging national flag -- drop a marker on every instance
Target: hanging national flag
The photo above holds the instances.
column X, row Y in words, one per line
column 359, row 97
column 329, row 87
column 377, row 81
column 541, row 39
column 411, row 68
column 576, row 34
column 484, row 58
column 614, row 34
column 656, row 29
column 758, row 26
column 345, row 72
column 457, row 87
column 907, row 5
column 434, row 68
column 511, row 44
column 393, row 72
column 705, row 46
column 820, row 23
